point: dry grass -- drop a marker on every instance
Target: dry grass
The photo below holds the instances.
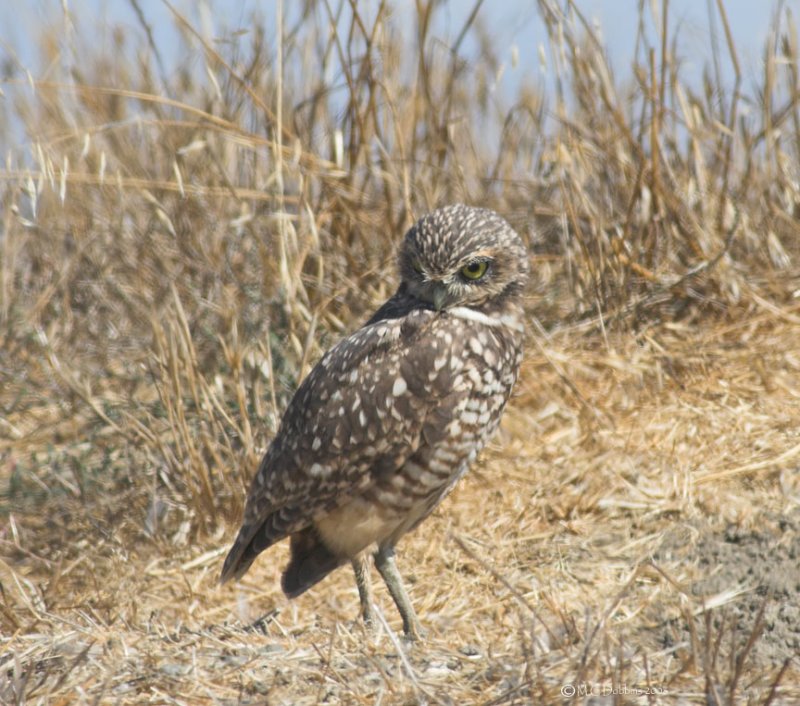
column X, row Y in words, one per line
column 177, row 249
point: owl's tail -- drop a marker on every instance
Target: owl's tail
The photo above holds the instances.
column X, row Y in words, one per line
column 311, row 561
column 242, row 554
column 250, row 542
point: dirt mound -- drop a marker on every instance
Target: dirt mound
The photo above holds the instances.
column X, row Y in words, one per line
column 745, row 571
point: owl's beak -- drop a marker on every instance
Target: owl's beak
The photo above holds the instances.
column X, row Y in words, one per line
column 439, row 295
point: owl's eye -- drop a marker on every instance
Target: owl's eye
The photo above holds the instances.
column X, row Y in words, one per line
column 417, row 266
column 474, row 270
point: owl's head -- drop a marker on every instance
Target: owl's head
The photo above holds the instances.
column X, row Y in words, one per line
column 463, row 256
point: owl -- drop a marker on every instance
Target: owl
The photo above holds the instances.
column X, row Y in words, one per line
column 393, row 415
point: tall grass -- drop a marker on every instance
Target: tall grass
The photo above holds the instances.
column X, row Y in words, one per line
column 179, row 243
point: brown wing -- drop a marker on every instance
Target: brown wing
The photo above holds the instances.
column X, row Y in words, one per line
column 358, row 415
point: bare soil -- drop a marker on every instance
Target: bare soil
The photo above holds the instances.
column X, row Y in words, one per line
column 759, row 568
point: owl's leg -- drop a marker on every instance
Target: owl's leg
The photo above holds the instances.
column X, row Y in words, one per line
column 387, row 567
column 364, row 583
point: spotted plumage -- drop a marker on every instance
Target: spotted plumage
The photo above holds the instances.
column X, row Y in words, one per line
column 393, row 415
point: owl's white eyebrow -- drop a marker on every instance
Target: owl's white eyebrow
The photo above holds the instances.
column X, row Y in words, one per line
column 464, row 312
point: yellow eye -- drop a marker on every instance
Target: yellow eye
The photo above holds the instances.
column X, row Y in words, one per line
column 474, row 270
column 417, row 267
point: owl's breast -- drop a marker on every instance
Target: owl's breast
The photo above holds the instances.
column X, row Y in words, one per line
column 486, row 366
column 474, row 376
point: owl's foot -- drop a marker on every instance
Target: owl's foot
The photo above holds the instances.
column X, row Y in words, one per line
column 387, row 567
column 364, row 584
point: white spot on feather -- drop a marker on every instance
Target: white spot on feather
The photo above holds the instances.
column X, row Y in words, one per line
column 469, row 417
column 318, row 470
column 399, row 387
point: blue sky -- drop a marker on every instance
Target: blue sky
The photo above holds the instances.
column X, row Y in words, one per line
column 515, row 24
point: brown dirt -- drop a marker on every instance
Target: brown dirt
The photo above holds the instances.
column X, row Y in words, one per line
column 756, row 572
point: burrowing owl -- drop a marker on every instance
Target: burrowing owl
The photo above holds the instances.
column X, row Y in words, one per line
column 393, row 415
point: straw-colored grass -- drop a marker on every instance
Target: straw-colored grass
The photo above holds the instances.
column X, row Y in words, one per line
column 179, row 244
